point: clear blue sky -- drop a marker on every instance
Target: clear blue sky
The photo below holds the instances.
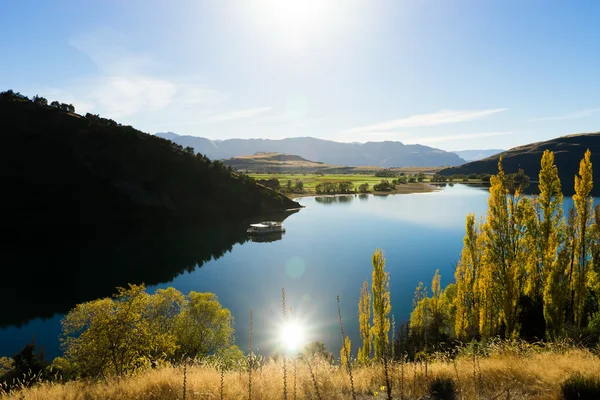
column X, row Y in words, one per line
column 449, row 74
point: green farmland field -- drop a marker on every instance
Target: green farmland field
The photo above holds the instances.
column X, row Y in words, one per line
column 311, row 180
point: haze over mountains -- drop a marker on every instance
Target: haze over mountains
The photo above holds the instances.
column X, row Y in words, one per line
column 474, row 155
column 383, row 154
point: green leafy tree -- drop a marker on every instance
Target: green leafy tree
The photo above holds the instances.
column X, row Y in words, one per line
column 40, row 101
column 109, row 336
column 318, row 350
column 204, row 326
column 24, row 369
column 119, row 335
column 6, row 364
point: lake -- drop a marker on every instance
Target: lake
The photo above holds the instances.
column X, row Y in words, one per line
column 326, row 251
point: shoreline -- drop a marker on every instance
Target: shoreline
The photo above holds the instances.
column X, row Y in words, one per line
column 406, row 188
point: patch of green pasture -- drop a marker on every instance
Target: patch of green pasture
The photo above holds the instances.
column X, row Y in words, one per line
column 310, row 181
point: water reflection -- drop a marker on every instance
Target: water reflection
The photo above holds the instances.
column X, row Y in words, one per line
column 42, row 278
column 267, row 237
column 347, row 198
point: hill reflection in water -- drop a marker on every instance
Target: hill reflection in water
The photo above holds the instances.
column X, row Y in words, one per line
column 43, row 276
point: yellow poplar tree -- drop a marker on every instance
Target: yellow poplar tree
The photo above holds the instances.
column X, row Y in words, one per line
column 505, row 255
column 466, row 301
column 584, row 211
column 556, row 291
column 380, row 288
column 436, row 307
column 345, row 350
column 364, row 321
column 544, row 221
column 546, row 279
column 419, row 314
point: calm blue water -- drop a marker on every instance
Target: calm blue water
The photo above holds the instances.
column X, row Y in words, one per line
column 325, row 252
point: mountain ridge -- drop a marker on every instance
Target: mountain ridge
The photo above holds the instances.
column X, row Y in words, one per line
column 568, row 151
column 384, row 154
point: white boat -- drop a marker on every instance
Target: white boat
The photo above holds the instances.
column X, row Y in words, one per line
column 266, row 228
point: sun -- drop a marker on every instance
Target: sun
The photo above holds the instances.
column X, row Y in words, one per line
column 297, row 12
column 295, row 21
column 292, row 336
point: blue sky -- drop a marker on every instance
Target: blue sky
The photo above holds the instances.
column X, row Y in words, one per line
column 449, row 74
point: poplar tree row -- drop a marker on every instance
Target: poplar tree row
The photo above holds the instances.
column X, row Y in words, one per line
column 525, row 262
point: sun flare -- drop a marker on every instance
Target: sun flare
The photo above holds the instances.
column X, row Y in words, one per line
column 296, row 20
column 292, row 336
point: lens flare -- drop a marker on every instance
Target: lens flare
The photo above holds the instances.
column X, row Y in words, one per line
column 292, row 336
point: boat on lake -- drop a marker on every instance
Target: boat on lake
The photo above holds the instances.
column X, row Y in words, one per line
column 264, row 228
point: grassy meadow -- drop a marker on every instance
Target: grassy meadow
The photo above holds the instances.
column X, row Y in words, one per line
column 311, row 180
column 506, row 372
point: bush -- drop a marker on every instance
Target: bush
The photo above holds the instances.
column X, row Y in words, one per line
column 25, row 369
column 442, row 388
column 438, row 178
column 386, row 173
column 581, row 387
column 383, row 186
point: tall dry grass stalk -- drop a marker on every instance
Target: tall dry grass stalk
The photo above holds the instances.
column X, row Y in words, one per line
column 184, row 379
column 346, row 350
column 535, row 375
column 284, row 352
column 250, row 358
column 294, row 361
column 313, row 377
column 222, row 389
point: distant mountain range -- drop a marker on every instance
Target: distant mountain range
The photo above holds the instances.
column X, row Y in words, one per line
column 568, row 151
column 289, row 163
column 382, row 154
column 474, row 155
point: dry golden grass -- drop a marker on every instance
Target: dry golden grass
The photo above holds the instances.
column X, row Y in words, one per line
column 503, row 375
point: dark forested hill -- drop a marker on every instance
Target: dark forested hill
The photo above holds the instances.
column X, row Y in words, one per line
column 59, row 168
column 382, row 154
column 568, row 151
